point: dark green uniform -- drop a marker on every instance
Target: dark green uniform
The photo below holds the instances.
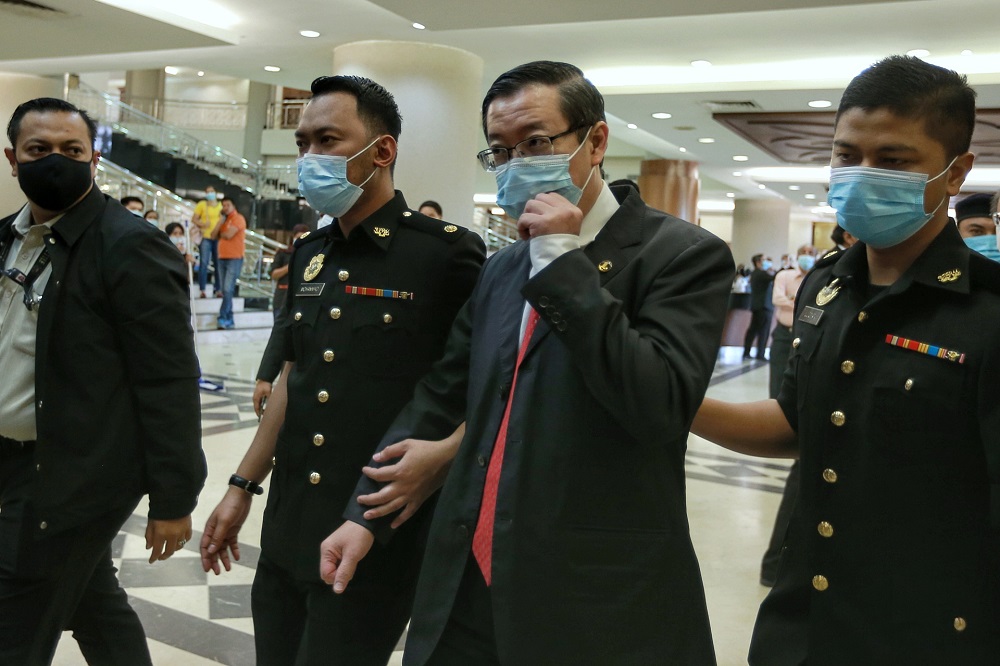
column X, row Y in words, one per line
column 366, row 316
column 893, row 556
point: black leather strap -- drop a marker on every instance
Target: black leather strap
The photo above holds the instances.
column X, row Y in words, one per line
column 246, row 485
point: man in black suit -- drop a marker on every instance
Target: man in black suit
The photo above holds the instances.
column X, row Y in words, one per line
column 99, row 399
column 561, row 535
column 370, row 301
column 761, row 310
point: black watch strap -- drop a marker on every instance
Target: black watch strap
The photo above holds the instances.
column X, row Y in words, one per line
column 246, row 485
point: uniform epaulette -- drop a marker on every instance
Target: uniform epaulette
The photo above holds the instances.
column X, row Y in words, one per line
column 984, row 272
column 310, row 236
column 438, row 228
column 829, row 258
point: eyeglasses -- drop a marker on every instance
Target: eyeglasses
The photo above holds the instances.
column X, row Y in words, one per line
column 535, row 146
column 996, row 218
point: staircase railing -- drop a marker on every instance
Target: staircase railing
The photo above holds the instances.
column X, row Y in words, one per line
column 497, row 232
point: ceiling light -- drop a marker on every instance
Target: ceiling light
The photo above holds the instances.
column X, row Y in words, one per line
column 740, row 158
column 709, row 206
column 762, row 187
column 308, row 33
column 683, row 150
column 821, row 104
column 794, row 188
column 731, row 195
column 419, row 26
column 918, row 53
column 810, row 196
column 201, row 73
column 172, row 71
column 706, row 139
column 271, row 68
column 737, row 173
column 632, row 126
column 660, row 115
column 966, row 52
column 700, row 63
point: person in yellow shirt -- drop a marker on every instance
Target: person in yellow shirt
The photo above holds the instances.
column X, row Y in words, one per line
column 206, row 218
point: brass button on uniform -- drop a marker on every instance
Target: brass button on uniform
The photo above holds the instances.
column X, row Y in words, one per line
column 825, row 529
column 796, row 342
column 328, row 355
column 908, row 385
column 298, row 316
column 847, row 367
column 407, row 213
column 820, row 583
column 318, row 439
column 342, row 275
column 960, row 624
column 44, row 525
column 838, row 419
column 829, row 475
column 335, row 313
column 315, row 478
column 862, row 316
column 322, row 396
column 274, row 461
column 387, row 318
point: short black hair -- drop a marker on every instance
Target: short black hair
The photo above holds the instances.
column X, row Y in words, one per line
column 43, row 105
column 995, row 204
column 169, row 229
column 224, row 199
column 127, row 200
column 912, row 88
column 432, row 204
column 757, row 259
column 579, row 100
column 837, row 235
column 376, row 105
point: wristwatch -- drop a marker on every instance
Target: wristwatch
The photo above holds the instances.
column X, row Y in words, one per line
column 246, row 485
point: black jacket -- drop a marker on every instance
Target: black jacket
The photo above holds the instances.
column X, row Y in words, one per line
column 116, row 376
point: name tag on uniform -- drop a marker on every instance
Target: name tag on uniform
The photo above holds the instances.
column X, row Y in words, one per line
column 811, row 315
column 314, row 289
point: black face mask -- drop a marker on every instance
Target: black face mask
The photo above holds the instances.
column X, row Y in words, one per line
column 54, row 182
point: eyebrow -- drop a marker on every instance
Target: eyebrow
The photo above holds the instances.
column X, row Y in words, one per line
column 299, row 134
column 532, row 130
column 889, row 148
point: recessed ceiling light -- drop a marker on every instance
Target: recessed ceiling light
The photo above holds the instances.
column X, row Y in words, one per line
column 918, row 53
column 821, row 104
column 731, row 195
column 172, row 71
column 271, row 68
column 740, row 158
column 419, row 26
column 794, row 188
column 737, row 173
column 967, row 52
column 660, row 115
column 308, row 33
column 700, row 63
column 201, row 73
column 706, row 139
column 810, row 196
column 762, row 187
column 683, row 150
column 632, row 126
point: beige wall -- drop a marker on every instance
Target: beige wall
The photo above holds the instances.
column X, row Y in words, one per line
column 18, row 88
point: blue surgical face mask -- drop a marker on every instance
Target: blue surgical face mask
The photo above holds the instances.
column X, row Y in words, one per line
column 766, row 264
column 882, row 208
column 806, row 262
column 523, row 178
column 210, row 196
column 323, row 182
column 987, row 245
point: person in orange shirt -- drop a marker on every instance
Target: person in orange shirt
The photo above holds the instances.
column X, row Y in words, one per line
column 231, row 233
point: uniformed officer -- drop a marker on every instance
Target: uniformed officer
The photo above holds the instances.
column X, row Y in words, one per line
column 371, row 299
column 890, row 399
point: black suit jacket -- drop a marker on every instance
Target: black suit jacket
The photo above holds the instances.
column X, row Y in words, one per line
column 592, row 558
column 116, row 376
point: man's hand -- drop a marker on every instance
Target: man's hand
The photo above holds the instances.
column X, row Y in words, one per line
column 420, row 470
column 165, row 537
column 549, row 213
column 340, row 553
column 221, row 530
column 261, row 392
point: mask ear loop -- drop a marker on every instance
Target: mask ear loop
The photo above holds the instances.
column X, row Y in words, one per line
column 361, row 151
column 946, row 197
column 573, row 154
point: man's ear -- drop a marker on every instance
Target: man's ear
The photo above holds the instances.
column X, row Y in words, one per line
column 958, row 172
column 599, row 140
column 9, row 152
column 385, row 153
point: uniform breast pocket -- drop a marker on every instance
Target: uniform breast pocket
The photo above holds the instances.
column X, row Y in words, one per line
column 301, row 322
column 918, row 406
column 802, row 359
column 384, row 340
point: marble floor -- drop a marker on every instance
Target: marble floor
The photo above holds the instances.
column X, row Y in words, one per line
column 193, row 618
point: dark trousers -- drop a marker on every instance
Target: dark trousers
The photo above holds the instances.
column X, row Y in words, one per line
column 304, row 623
column 759, row 330
column 64, row 581
column 781, row 349
column 468, row 638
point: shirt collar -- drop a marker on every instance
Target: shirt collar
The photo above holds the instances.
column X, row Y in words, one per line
column 381, row 225
column 22, row 223
column 604, row 207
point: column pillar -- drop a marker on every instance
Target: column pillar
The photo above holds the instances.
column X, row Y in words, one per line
column 760, row 225
column 439, row 91
column 145, row 90
column 19, row 88
column 671, row 186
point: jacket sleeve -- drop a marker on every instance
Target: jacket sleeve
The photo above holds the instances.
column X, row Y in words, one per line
column 652, row 370
column 148, row 290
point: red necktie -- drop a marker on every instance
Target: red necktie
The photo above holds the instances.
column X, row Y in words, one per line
column 482, row 540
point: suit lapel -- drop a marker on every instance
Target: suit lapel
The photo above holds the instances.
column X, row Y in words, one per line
column 512, row 305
